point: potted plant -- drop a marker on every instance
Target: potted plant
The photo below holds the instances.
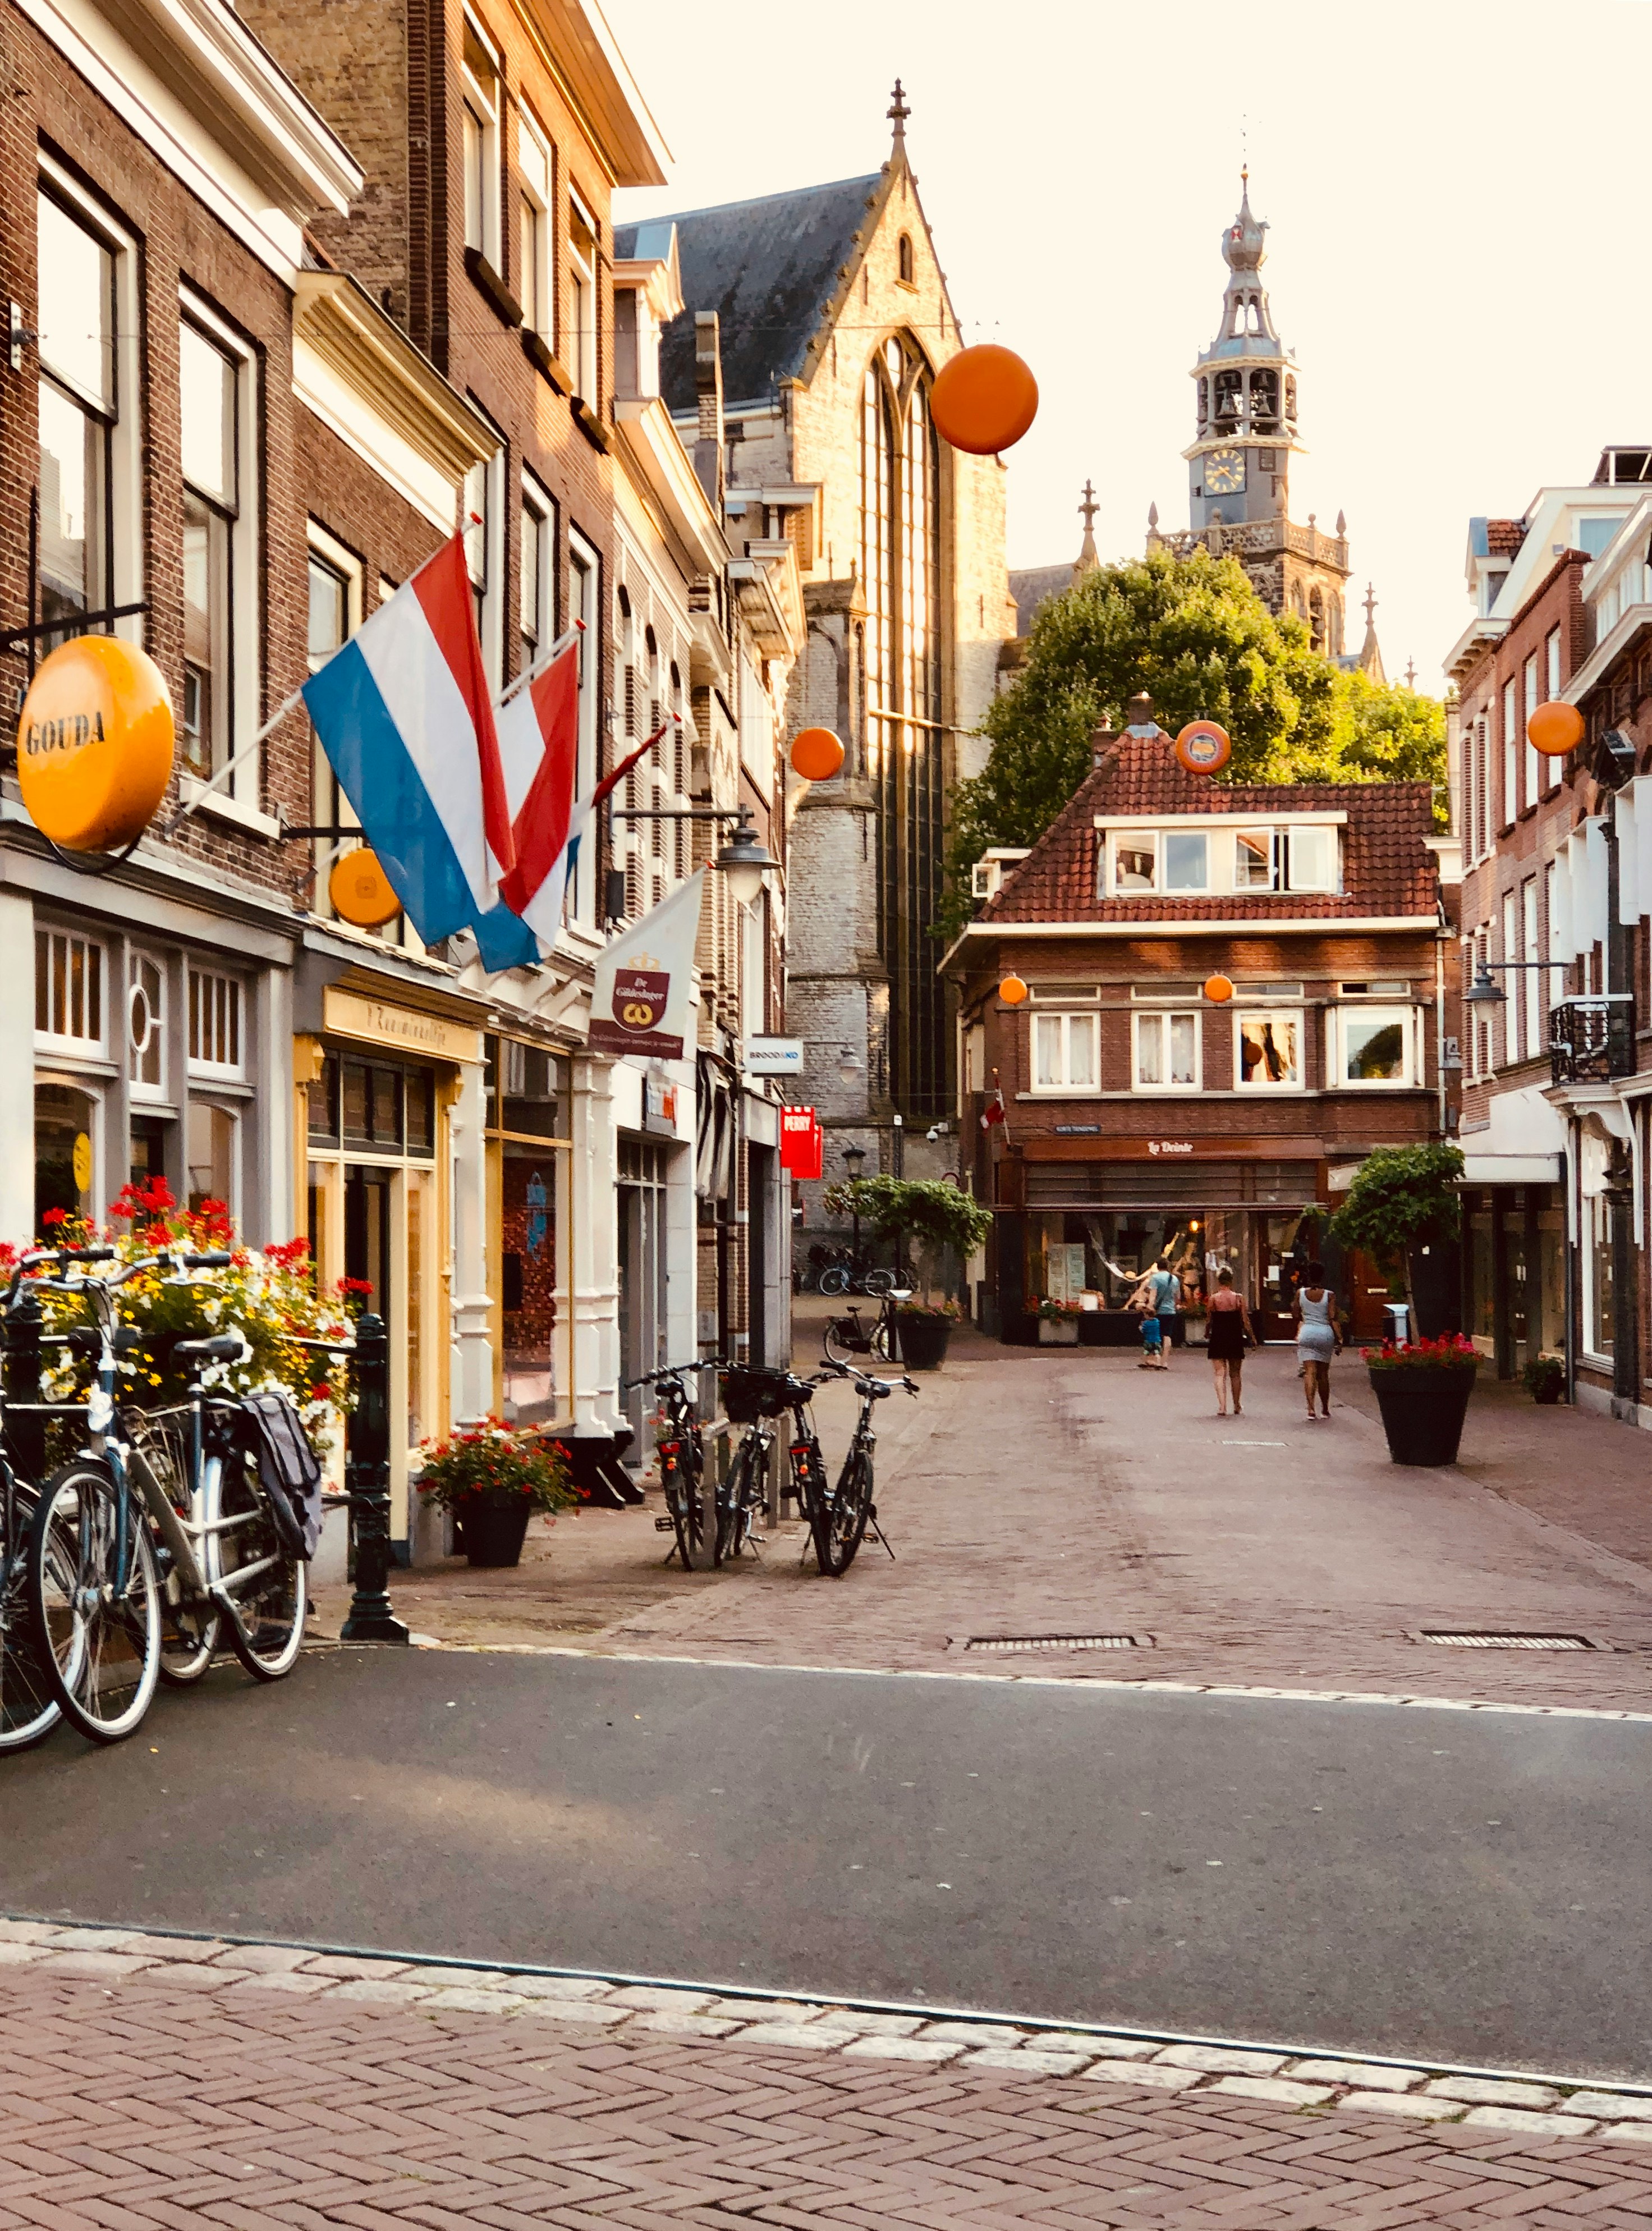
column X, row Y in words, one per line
column 924, row 1330
column 1058, row 1322
column 938, row 1214
column 1422, row 1389
column 493, row 1479
column 1544, row 1379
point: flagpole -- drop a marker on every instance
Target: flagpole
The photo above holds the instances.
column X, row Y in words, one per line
column 531, row 674
column 205, row 790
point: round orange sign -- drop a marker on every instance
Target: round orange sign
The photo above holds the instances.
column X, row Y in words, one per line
column 361, row 892
column 816, row 754
column 1202, row 747
column 983, row 400
column 1011, row 991
column 94, row 744
column 1219, row 989
column 1554, row 729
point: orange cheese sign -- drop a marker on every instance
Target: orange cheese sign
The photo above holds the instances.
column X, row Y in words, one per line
column 94, row 744
column 360, row 890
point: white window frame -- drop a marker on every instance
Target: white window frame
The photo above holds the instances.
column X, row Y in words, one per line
column 1513, row 1047
column 199, row 1068
column 126, row 448
column 139, row 1089
column 1529, row 686
column 237, row 799
column 84, row 1048
column 1290, row 880
column 479, row 108
column 535, row 179
column 333, row 808
column 1065, row 1025
column 584, row 603
column 1159, row 1019
column 1594, row 1203
column 211, row 1105
column 1385, row 1012
column 483, row 491
column 1511, row 753
column 1135, row 840
column 538, row 522
column 1275, row 863
column 1297, row 1017
column 582, row 302
column 1552, row 681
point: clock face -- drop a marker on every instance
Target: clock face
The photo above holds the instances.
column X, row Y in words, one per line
column 1225, row 472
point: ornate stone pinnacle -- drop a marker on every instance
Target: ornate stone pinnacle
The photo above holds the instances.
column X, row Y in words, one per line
column 898, row 113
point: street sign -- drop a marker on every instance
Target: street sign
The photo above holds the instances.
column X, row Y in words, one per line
column 767, row 1056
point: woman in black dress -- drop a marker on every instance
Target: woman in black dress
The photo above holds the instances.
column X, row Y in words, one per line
column 1226, row 1324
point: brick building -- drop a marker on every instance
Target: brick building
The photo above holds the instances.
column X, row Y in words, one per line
column 1142, row 1115
column 1551, row 1113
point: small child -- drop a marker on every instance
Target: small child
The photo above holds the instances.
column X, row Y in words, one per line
column 1153, row 1343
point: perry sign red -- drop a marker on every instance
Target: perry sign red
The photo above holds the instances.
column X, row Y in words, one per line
column 802, row 1143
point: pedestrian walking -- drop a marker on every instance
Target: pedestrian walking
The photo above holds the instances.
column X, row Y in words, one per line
column 1228, row 1328
column 1161, row 1301
column 1318, row 1338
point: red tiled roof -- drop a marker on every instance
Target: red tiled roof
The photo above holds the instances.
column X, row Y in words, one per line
column 1504, row 537
column 1387, row 869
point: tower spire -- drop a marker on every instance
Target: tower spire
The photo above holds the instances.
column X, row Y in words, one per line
column 1088, row 560
column 898, row 113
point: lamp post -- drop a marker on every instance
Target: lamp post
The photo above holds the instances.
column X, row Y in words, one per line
column 853, row 1158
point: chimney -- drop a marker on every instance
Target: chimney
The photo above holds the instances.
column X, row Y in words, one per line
column 708, row 388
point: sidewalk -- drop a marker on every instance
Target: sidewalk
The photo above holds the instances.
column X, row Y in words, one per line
column 256, row 2087
column 1035, row 1493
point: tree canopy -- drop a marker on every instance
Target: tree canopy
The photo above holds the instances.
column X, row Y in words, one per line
column 1193, row 633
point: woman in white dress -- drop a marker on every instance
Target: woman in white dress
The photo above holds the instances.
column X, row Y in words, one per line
column 1317, row 1337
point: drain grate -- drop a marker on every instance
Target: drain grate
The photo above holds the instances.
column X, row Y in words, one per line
column 1054, row 1642
column 1491, row 1641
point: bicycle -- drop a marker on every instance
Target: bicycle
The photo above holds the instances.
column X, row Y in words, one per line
column 112, row 1612
column 846, row 1337
column 838, row 1515
column 682, row 1461
column 848, row 1278
column 29, row 1709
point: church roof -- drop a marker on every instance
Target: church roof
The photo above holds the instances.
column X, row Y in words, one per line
column 1387, row 867
column 769, row 268
column 1033, row 586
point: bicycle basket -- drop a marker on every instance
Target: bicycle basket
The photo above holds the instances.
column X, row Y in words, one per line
column 752, row 1393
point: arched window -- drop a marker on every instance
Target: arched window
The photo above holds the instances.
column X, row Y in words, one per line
column 904, row 253
column 1316, row 619
column 1204, row 401
column 900, row 569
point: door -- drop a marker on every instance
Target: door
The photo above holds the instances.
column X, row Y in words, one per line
column 367, row 1236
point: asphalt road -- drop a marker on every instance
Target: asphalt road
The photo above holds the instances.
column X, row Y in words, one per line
column 1467, row 1887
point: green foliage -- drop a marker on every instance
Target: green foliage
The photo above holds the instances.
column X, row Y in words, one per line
column 1399, row 1196
column 898, row 1208
column 1193, row 633
column 1544, row 1378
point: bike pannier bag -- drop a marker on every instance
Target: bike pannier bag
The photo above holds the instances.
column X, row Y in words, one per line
column 287, row 1469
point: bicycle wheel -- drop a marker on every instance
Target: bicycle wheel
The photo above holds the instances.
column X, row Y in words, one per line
column 27, row 1705
column 739, row 1494
column 843, row 1339
column 835, row 1279
column 840, row 1518
column 98, row 1633
column 880, row 1342
column 878, row 1283
column 685, row 1499
column 191, row 1629
column 273, row 1603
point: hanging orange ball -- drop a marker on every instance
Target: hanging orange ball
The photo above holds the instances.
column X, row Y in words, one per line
column 1554, row 729
column 1217, row 990
column 983, row 400
column 361, row 892
column 94, row 744
column 1012, row 991
column 816, row 754
column 1202, row 747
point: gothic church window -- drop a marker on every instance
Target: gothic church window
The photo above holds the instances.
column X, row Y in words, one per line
column 1316, row 619
column 905, row 255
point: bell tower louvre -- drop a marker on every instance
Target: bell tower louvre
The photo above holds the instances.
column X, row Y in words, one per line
column 1239, row 460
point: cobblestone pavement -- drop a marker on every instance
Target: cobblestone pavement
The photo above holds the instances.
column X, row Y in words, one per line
column 1035, row 1493
column 165, row 2081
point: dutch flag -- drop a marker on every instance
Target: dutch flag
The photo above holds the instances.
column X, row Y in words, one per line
column 404, row 717
column 539, row 746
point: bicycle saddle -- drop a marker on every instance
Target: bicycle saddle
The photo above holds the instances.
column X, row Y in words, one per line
column 222, row 1347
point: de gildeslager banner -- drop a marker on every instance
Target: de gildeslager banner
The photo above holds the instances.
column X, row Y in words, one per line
column 645, row 980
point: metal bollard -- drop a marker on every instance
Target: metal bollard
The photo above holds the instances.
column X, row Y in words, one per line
column 25, row 1429
column 367, row 1484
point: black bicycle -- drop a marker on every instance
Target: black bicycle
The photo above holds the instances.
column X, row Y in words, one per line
column 846, row 1337
column 680, row 1448
column 839, row 1514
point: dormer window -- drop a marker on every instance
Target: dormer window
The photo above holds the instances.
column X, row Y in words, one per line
column 1491, row 584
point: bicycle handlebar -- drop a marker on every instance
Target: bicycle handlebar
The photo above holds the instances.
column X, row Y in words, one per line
column 676, row 1371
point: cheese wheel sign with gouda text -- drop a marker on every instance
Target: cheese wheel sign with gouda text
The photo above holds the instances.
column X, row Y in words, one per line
column 94, row 744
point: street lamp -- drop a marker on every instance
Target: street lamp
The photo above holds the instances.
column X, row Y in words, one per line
column 744, row 861
column 848, row 1066
column 853, row 1158
column 1485, row 991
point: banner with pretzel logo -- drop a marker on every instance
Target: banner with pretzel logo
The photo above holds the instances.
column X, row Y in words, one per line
column 642, row 999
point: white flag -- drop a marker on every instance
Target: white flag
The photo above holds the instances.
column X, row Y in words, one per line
column 640, row 1001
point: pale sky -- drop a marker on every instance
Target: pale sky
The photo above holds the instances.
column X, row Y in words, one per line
column 1456, row 195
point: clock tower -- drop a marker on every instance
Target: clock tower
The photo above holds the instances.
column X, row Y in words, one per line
column 1239, row 463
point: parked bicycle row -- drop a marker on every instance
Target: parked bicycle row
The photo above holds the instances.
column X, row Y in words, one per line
column 170, row 1527
column 715, row 1521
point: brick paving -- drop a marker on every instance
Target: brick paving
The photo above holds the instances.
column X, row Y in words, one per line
column 1034, row 1492
column 153, row 2081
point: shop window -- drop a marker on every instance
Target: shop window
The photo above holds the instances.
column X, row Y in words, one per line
column 77, row 403
column 418, row 1091
column 388, row 1110
column 146, row 1159
column 1167, row 1052
column 215, row 1024
column 65, row 1126
column 527, row 1089
column 1597, row 1281
column 1376, row 1045
column 323, row 1095
column 1268, row 1052
column 210, row 1154
column 145, row 1026
column 1064, row 1052
column 68, row 990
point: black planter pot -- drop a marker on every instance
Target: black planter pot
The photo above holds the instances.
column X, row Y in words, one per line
column 1423, row 1408
column 1548, row 1394
column 492, row 1526
column 923, row 1342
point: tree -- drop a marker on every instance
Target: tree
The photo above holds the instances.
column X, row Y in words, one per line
column 937, row 1214
column 1400, row 1196
column 1193, row 633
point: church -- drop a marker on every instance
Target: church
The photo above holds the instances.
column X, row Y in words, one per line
column 1246, row 433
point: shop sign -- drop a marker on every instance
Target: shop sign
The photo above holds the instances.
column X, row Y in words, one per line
column 350, row 1015
column 644, row 982
column 1170, row 1146
column 802, row 1142
column 94, row 744
column 770, row 1057
column 1078, row 1130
